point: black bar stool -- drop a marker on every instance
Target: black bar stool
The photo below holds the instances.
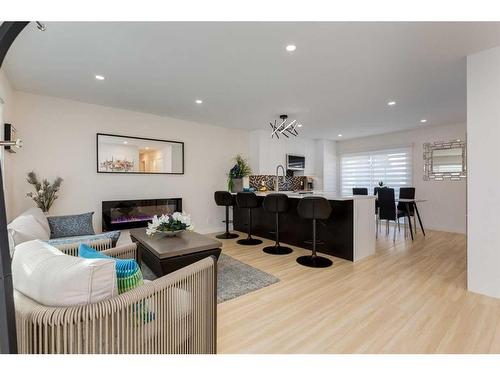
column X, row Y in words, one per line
column 315, row 208
column 224, row 198
column 276, row 203
column 249, row 201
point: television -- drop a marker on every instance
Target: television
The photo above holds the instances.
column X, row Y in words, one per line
column 295, row 162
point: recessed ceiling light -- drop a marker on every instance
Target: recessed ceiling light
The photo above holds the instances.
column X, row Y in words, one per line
column 339, row 135
column 199, row 101
column 291, row 47
column 125, row 142
column 99, row 77
column 299, row 125
column 423, row 121
column 391, row 103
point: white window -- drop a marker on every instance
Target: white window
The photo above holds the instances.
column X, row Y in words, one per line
column 393, row 167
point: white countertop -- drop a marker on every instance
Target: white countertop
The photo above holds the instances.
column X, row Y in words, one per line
column 325, row 194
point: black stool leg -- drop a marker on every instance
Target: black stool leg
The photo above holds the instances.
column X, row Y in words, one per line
column 249, row 240
column 277, row 249
column 314, row 260
column 227, row 235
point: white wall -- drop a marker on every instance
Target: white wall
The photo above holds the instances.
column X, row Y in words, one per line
column 60, row 140
column 326, row 165
column 483, row 134
column 267, row 153
column 445, row 208
column 7, row 94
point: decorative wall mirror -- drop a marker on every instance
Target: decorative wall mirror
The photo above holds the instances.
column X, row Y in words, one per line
column 445, row 160
column 123, row 154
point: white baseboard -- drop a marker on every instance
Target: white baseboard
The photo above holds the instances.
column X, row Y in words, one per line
column 438, row 228
column 211, row 230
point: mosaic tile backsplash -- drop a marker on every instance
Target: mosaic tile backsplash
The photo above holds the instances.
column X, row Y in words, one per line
column 285, row 183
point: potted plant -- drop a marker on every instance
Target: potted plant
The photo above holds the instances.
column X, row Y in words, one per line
column 236, row 174
column 169, row 225
column 45, row 192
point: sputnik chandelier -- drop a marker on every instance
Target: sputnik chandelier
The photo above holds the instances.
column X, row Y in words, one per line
column 284, row 127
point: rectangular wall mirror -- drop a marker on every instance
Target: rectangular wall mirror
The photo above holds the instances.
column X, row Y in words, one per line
column 124, row 154
column 445, row 160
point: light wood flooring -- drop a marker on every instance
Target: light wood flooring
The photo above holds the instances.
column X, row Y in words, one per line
column 408, row 298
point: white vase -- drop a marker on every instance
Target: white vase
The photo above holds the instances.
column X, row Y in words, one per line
column 237, row 185
column 167, row 234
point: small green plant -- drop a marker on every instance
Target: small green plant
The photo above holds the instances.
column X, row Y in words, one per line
column 239, row 170
column 381, row 183
column 45, row 192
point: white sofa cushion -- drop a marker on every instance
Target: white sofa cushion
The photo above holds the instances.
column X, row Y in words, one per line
column 26, row 228
column 51, row 278
column 39, row 216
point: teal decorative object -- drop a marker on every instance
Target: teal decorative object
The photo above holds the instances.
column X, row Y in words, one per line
column 128, row 272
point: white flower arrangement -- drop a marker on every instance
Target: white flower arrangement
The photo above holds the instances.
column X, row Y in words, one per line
column 169, row 223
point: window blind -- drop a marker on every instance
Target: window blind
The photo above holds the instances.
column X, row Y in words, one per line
column 392, row 166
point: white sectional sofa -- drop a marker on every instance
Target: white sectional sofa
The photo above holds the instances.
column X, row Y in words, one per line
column 67, row 304
column 33, row 224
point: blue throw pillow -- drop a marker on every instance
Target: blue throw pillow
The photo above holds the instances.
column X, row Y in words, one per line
column 71, row 225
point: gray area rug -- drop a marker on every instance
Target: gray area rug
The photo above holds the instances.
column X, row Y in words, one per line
column 234, row 278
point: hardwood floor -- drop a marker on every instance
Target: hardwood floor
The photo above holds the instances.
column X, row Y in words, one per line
column 408, row 298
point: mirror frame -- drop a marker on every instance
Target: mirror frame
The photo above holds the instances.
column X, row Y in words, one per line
column 144, row 139
column 429, row 148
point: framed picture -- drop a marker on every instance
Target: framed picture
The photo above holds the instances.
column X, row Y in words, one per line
column 126, row 154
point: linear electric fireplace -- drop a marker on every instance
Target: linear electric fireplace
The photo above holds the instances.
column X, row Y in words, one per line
column 136, row 213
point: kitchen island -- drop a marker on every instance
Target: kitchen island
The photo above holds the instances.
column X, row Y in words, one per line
column 348, row 233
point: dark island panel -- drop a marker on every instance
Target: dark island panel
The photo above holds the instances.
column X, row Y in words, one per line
column 336, row 233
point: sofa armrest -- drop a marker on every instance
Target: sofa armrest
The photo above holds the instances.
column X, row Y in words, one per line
column 175, row 313
column 128, row 251
column 72, row 248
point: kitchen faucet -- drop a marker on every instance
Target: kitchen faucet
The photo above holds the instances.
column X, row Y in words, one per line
column 277, row 184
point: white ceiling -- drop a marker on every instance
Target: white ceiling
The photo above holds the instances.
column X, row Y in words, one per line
column 337, row 81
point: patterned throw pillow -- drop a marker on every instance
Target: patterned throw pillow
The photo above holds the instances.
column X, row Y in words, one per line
column 128, row 272
column 71, row 225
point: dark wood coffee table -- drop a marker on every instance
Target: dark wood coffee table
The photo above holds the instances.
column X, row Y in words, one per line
column 168, row 254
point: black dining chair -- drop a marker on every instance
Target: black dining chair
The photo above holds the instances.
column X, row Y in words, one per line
column 375, row 192
column 387, row 209
column 408, row 193
column 359, row 191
